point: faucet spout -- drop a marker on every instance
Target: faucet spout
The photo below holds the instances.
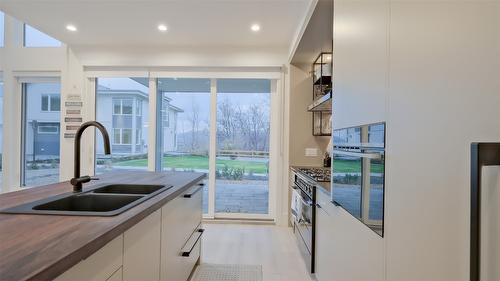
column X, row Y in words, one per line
column 77, row 181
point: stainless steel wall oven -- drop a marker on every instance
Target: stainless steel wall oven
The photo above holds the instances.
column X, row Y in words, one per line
column 358, row 173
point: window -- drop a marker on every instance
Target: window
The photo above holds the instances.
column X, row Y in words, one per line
column 2, row 28
column 122, row 136
column 51, row 103
column 242, row 161
column 35, row 38
column 122, row 106
column 40, row 134
column 119, row 107
column 48, row 129
column 185, row 138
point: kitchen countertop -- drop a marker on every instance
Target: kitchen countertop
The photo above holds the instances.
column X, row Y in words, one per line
column 41, row 247
column 323, row 186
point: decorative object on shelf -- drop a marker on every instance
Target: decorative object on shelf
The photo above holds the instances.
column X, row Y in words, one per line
column 322, row 125
column 322, row 70
column 327, row 161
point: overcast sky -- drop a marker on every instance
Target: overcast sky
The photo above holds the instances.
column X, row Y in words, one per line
column 190, row 101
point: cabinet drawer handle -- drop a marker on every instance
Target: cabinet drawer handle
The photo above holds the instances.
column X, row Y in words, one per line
column 199, row 233
column 189, row 195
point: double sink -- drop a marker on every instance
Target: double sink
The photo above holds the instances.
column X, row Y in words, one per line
column 108, row 200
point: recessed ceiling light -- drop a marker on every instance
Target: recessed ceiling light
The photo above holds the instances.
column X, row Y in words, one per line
column 71, row 27
column 255, row 27
column 162, row 28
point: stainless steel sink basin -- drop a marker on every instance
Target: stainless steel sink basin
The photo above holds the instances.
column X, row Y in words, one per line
column 128, row 189
column 108, row 200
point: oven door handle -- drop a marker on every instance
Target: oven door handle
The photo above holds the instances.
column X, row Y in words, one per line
column 306, row 202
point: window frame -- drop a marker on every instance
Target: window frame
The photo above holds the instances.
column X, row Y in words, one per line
column 154, row 109
column 23, row 82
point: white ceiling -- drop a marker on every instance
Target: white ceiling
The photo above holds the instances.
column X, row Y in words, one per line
column 190, row 22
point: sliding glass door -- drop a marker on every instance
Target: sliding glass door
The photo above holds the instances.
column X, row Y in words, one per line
column 40, row 133
column 220, row 127
column 184, row 122
column 243, row 127
column 122, row 106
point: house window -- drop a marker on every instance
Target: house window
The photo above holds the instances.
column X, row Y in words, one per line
column 122, row 136
column 48, row 129
column 122, row 106
column 51, row 102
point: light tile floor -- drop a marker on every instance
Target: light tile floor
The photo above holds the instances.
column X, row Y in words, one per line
column 271, row 246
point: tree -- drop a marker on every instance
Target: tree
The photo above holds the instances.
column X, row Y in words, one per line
column 226, row 121
column 194, row 119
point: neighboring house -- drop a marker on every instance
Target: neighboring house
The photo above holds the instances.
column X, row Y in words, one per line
column 122, row 112
column 43, row 114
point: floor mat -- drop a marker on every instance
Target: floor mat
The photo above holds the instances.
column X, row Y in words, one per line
column 228, row 272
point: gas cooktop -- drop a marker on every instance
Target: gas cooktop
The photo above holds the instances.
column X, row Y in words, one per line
column 317, row 174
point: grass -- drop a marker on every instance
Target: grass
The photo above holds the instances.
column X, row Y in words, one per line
column 201, row 163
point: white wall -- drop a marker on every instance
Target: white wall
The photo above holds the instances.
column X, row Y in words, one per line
column 430, row 70
column 300, row 132
column 16, row 62
column 195, row 56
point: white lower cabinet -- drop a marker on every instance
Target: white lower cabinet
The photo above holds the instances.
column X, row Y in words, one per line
column 163, row 246
column 324, row 238
column 141, row 250
column 100, row 266
column 181, row 220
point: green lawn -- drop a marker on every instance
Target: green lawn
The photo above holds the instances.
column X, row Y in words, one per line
column 199, row 162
